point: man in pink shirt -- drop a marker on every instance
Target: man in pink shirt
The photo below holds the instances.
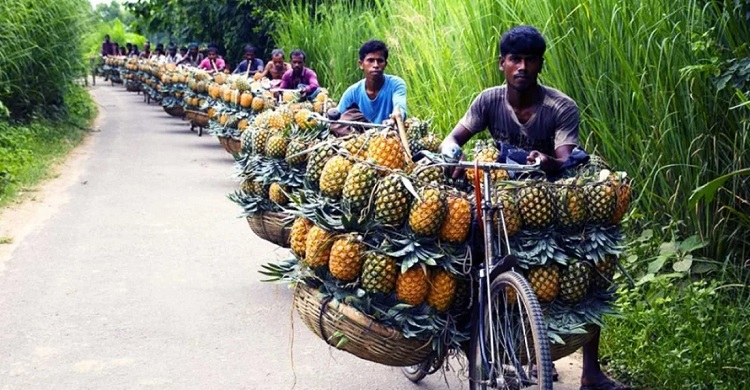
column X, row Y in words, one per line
column 300, row 77
column 213, row 62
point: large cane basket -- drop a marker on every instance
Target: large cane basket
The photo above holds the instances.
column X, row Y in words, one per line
column 271, row 226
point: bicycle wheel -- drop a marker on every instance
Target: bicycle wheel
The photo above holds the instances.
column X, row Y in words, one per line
column 419, row 371
column 509, row 338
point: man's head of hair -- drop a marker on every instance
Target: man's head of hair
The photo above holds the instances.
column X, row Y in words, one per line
column 522, row 40
column 106, row 37
column 372, row 46
column 298, row 53
column 250, row 49
column 277, row 52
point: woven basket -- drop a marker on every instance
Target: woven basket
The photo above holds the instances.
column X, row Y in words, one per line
column 272, row 227
column 223, row 141
column 233, row 146
column 198, row 118
column 132, row 87
column 572, row 343
column 365, row 337
column 176, row 111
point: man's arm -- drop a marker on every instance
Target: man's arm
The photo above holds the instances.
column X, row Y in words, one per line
column 551, row 164
column 566, row 139
column 399, row 97
column 267, row 70
column 312, row 82
column 286, row 80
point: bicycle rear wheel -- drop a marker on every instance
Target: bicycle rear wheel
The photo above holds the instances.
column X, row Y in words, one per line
column 509, row 339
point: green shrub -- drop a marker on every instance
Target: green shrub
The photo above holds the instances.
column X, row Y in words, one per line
column 673, row 337
column 41, row 52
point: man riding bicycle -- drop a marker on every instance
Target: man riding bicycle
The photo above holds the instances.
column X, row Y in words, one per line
column 533, row 121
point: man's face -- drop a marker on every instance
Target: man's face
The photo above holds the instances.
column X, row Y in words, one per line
column 373, row 64
column 249, row 55
column 521, row 70
column 278, row 61
column 172, row 52
column 106, row 38
column 298, row 62
column 212, row 55
column 193, row 51
column 146, row 47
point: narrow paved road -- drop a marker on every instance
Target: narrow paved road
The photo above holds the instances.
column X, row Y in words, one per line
column 145, row 277
column 133, row 271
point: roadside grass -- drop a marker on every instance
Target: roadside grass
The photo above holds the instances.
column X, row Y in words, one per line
column 29, row 150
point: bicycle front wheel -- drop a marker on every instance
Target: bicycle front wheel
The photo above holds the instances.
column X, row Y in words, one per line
column 509, row 344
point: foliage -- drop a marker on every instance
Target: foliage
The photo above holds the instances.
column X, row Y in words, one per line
column 642, row 74
column 117, row 31
column 26, row 150
column 40, row 52
column 672, row 337
column 113, row 11
column 230, row 24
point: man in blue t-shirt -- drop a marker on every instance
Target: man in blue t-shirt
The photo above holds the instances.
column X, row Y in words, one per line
column 251, row 65
column 374, row 98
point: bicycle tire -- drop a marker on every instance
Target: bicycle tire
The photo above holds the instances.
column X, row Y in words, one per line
column 525, row 303
column 416, row 372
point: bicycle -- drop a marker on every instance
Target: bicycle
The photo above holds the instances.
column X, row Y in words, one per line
column 508, row 333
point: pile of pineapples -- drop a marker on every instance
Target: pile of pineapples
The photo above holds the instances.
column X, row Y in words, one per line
column 174, row 83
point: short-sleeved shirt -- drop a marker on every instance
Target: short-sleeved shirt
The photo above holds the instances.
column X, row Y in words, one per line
column 554, row 124
column 257, row 66
column 307, row 77
column 392, row 94
column 218, row 63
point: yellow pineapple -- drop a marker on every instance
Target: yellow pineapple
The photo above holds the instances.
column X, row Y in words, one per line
column 545, row 281
column 427, row 212
column 257, row 104
column 487, row 152
column 317, row 247
column 277, row 194
column 298, row 236
column 333, row 177
column 442, row 290
column 457, row 220
column 386, row 151
column 412, row 286
column 347, row 256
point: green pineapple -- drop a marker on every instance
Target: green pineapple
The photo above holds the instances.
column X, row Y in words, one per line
column 379, row 273
column 430, row 174
column 260, row 140
column 574, row 282
column 536, row 205
column 358, row 186
column 569, row 199
column 601, row 200
column 317, row 161
column 293, row 151
column 334, row 175
column 391, row 201
column 604, row 272
column 276, row 146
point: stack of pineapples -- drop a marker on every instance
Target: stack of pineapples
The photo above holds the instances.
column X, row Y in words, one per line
column 174, row 83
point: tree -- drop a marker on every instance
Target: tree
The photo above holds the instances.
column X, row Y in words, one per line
column 114, row 10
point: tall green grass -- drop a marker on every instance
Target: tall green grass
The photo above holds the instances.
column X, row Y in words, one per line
column 40, row 52
column 639, row 71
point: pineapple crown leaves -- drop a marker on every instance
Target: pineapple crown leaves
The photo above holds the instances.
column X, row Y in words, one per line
column 537, row 248
column 412, row 250
column 286, row 271
column 594, row 243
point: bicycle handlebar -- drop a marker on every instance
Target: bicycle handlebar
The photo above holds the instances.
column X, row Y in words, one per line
column 485, row 166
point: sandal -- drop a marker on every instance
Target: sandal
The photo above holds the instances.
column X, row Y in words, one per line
column 607, row 384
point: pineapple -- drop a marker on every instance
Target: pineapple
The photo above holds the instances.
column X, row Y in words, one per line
column 257, row 104
column 457, row 220
column 317, row 161
column 427, row 212
column 545, row 281
column 317, row 247
column 442, row 290
column 570, row 207
column 623, row 191
column 386, row 151
column 347, row 256
column 429, row 174
column 487, row 152
column 246, row 141
column 601, row 200
column 511, row 212
column 334, row 175
column 379, row 273
column 293, row 151
column 259, row 141
column 391, row 201
column 286, row 114
column 276, row 146
column 416, row 145
column 248, row 185
column 412, row 286
column 241, row 83
column 574, row 282
column 462, row 297
column 277, row 194
column 358, row 186
column 298, row 236
column 276, row 121
column 246, row 100
column 604, row 273
column 304, row 119
column 289, row 96
column 536, row 205
column 432, row 143
column 357, row 146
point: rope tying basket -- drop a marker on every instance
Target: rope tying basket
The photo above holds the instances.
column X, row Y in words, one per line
column 349, row 330
column 271, row 226
column 176, row 111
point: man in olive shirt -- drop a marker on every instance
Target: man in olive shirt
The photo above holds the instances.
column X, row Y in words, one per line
column 540, row 122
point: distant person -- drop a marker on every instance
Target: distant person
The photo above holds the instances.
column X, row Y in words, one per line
column 122, row 52
column 251, row 65
column 373, row 98
column 172, row 57
column 193, row 57
column 183, row 51
column 146, row 53
column 276, row 68
column 128, row 48
column 159, row 52
column 134, row 52
column 108, row 48
column 300, row 77
column 213, row 62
